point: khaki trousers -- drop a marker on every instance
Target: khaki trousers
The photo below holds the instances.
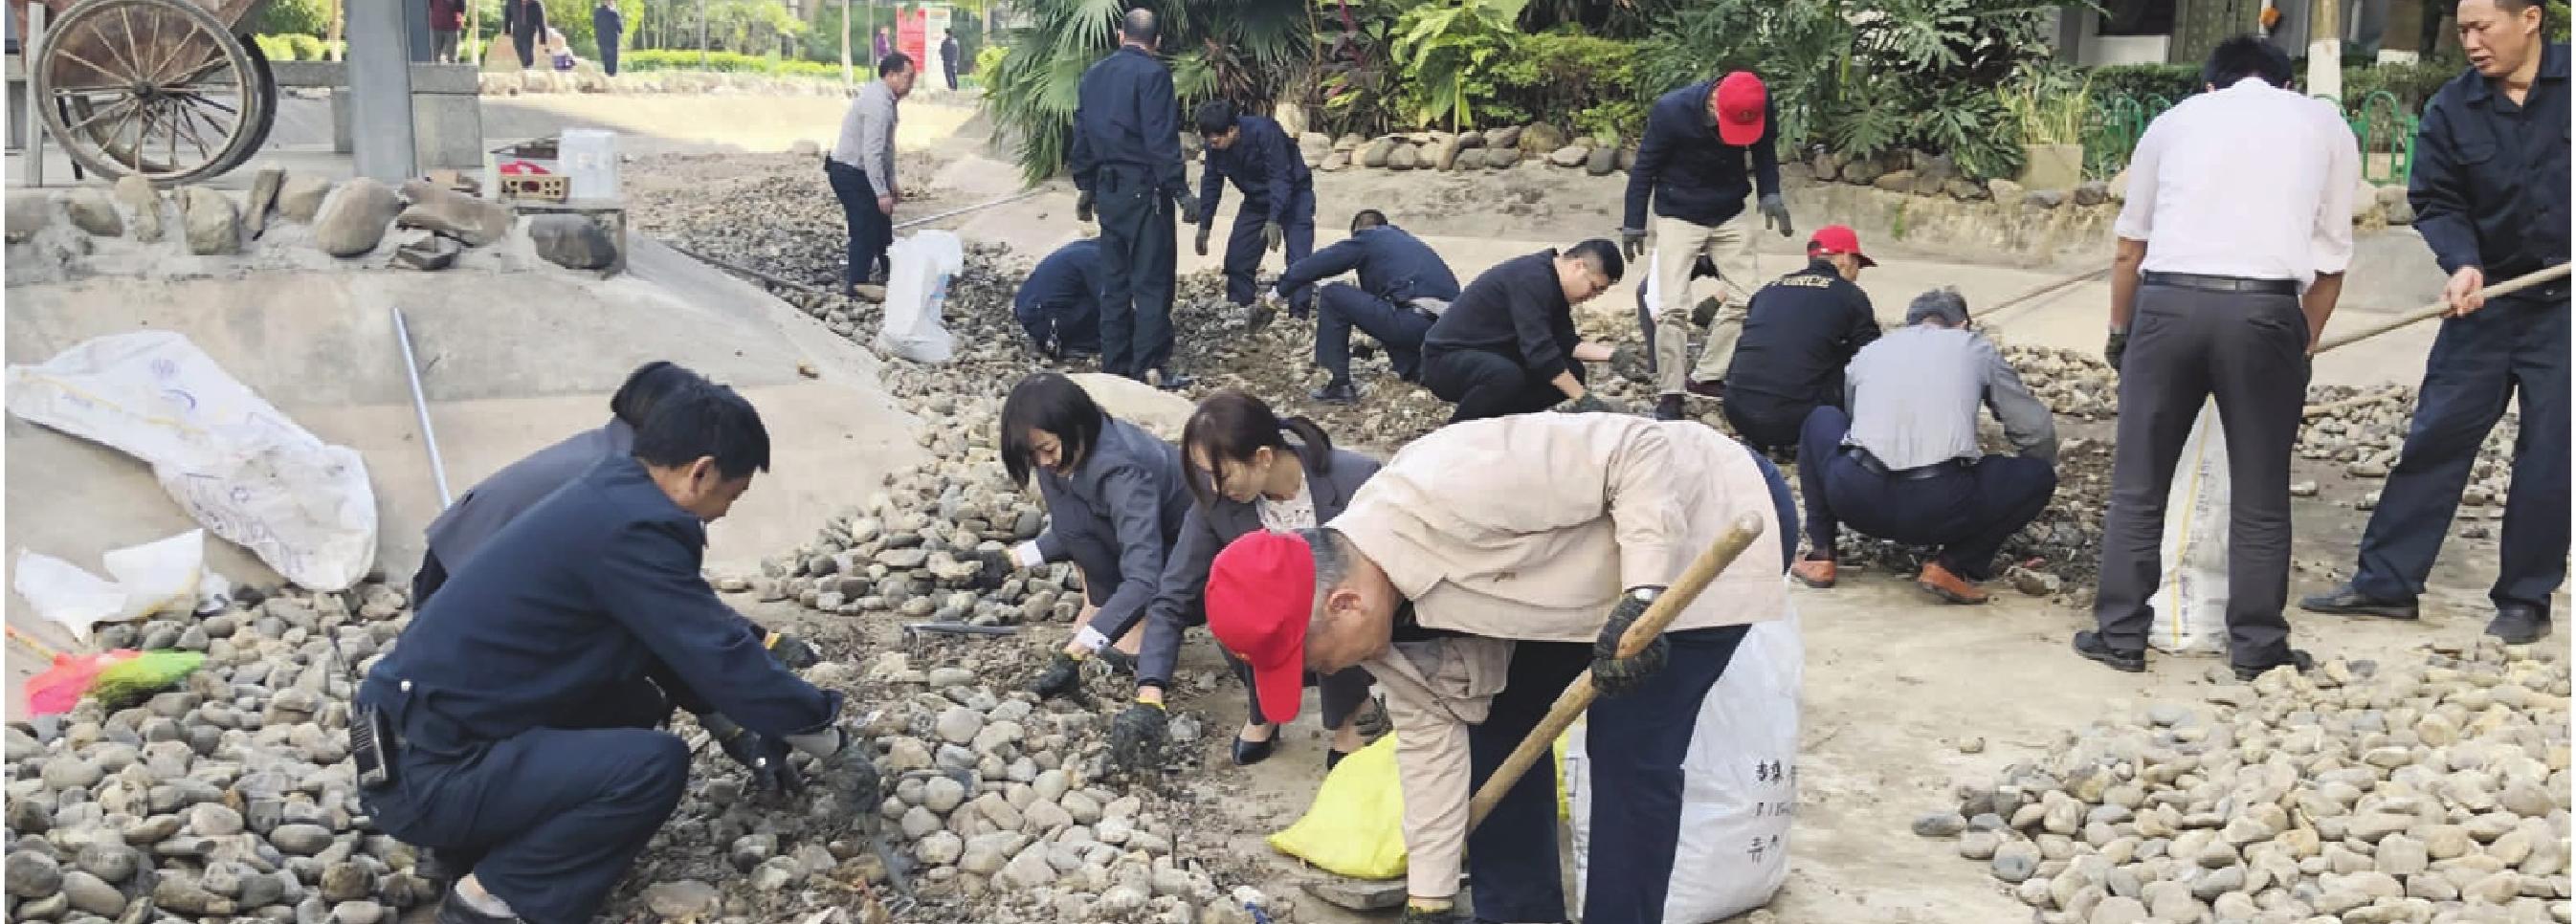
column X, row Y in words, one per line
column 1678, row 245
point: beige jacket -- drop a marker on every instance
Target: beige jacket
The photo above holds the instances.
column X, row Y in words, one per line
column 1529, row 527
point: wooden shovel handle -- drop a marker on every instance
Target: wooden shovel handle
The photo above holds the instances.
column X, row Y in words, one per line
column 2436, row 309
column 1578, row 695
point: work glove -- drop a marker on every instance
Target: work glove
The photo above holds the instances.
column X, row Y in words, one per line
column 1775, row 214
column 2118, row 344
column 765, row 758
column 1137, row 735
column 995, row 565
column 1612, row 674
column 1590, row 403
column 1273, row 237
column 1632, row 241
column 1705, row 313
column 1189, row 205
column 1628, row 363
column 1201, row 244
column 852, row 772
column 1062, row 677
column 793, row 653
column 1082, row 207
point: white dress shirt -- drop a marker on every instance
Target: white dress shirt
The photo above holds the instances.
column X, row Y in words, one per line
column 2252, row 181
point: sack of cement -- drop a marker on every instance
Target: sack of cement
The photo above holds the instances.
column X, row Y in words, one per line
column 2190, row 602
column 237, row 465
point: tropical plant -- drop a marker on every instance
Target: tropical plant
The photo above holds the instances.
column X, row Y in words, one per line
column 1350, row 83
column 2047, row 107
column 1589, row 81
column 1245, row 50
column 1445, row 47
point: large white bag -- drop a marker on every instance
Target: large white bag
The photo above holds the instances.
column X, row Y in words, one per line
column 1739, row 784
column 166, row 576
column 237, row 465
column 2190, row 602
column 916, row 291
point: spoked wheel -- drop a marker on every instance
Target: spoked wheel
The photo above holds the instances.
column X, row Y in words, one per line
column 153, row 87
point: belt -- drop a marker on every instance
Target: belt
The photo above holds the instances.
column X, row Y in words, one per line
column 2222, row 283
column 1870, row 463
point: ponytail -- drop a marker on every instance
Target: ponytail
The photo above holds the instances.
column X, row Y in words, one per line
column 1231, row 425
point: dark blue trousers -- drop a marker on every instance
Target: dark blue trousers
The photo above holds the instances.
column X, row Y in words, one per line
column 548, row 820
column 1635, row 744
column 2512, row 348
column 1966, row 514
column 1073, row 324
column 1243, row 246
column 871, row 229
column 1137, row 260
column 1399, row 328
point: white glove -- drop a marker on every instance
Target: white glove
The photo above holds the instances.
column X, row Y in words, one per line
column 1026, row 555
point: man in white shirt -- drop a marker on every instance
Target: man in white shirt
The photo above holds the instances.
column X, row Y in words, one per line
column 2232, row 248
column 861, row 168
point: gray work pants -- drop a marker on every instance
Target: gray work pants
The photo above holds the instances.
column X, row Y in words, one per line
column 2186, row 346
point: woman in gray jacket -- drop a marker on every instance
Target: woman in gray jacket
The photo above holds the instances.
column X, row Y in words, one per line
column 1114, row 508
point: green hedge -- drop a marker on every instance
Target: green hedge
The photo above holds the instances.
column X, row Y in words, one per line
column 2412, row 84
column 2140, row 81
column 292, row 47
column 1589, row 82
column 728, row 62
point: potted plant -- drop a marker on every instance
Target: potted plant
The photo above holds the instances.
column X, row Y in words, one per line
column 2049, row 113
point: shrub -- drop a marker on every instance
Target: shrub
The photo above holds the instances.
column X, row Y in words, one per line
column 274, row 47
column 307, row 48
column 281, row 17
column 2412, row 84
column 2142, row 81
column 1589, row 81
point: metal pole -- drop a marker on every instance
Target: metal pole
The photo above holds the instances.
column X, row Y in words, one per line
column 28, row 46
column 420, row 404
column 702, row 34
column 380, row 91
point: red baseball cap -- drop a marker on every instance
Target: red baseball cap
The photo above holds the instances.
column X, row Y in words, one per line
column 1741, row 100
column 1832, row 239
column 1260, row 593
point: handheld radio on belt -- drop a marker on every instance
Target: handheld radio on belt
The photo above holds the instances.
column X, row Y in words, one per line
column 370, row 736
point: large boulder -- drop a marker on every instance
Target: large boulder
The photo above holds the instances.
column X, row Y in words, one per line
column 2003, row 190
column 354, row 217
column 1160, row 412
column 1337, row 162
column 1502, row 158
column 1404, row 157
column 91, row 210
column 2092, row 192
column 1962, row 189
column 572, row 242
column 1314, row 147
column 2119, row 186
column 1471, row 141
column 1377, row 152
column 1541, row 138
column 2044, row 198
column 1601, row 162
column 263, row 196
column 137, row 196
column 445, row 211
column 1444, row 152
column 1861, row 171
column 1508, row 136
column 1572, row 155
column 1470, row 159
column 212, row 222
column 1349, row 141
column 1827, row 166
column 1627, row 158
column 1897, row 181
column 300, row 198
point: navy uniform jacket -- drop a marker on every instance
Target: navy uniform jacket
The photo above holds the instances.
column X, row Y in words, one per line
column 1799, row 333
column 487, row 507
column 1125, row 115
column 1128, row 484
column 1066, row 284
column 1516, row 309
column 588, row 594
column 1393, row 265
column 1263, row 163
column 1690, row 174
column 1205, row 533
column 2489, row 183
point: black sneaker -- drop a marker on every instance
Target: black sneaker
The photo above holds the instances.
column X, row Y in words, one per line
column 2346, row 601
column 453, row 910
column 2299, row 661
column 2091, row 645
column 1669, row 407
column 1336, row 393
column 1168, row 380
column 2517, row 624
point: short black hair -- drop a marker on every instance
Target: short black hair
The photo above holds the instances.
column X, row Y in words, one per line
column 646, row 386
column 1048, row 401
column 2246, row 56
column 1214, row 117
column 1365, row 219
column 1602, row 255
column 699, row 420
column 1140, row 26
column 893, row 64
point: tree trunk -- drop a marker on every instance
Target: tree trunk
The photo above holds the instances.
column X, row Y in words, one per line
column 472, row 40
column 2325, row 50
column 845, row 42
column 332, row 40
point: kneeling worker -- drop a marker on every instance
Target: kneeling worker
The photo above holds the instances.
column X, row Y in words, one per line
column 1404, row 286
column 505, row 725
column 1903, row 464
column 1059, row 304
column 1507, row 345
column 1470, row 576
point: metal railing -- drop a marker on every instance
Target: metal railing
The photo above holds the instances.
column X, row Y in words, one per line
column 2385, row 130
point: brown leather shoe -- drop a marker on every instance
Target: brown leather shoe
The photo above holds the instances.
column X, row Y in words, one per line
column 1814, row 572
column 1939, row 582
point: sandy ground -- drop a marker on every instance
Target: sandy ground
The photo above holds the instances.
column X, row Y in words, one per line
column 1894, row 682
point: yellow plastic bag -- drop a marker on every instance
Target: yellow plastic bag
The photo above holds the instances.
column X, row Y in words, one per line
column 1355, row 827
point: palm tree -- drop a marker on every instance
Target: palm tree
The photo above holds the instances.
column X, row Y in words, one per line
column 1244, row 50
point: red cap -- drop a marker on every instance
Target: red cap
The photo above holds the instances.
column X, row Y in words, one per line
column 1740, row 103
column 1832, row 239
column 1260, row 593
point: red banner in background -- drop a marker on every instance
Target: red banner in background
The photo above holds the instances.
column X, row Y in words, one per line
column 911, row 35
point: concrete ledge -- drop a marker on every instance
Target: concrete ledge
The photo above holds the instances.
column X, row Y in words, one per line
column 425, row 78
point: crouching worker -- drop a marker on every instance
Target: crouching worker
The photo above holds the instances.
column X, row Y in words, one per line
column 1059, row 304
column 1903, row 464
column 1403, row 287
column 1471, row 577
column 512, row 725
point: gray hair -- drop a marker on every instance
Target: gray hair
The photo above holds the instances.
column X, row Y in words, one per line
column 1333, row 554
column 1943, row 303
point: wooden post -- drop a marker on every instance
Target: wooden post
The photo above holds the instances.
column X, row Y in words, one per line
column 339, row 17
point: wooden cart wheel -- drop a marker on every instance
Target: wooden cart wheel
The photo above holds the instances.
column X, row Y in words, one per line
column 158, row 88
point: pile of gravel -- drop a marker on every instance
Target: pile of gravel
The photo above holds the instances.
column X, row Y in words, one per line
column 2435, row 792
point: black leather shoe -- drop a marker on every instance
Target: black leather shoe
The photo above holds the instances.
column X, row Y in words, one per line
column 2517, row 624
column 1336, row 393
column 2299, row 661
column 1247, row 753
column 453, row 910
column 2345, row 601
column 1168, row 380
column 2091, row 645
column 1333, row 758
column 1669, row 407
